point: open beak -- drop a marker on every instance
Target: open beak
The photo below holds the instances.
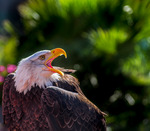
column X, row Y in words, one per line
column 55, row 53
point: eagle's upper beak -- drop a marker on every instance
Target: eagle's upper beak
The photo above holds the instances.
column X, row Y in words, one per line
column 55, row 53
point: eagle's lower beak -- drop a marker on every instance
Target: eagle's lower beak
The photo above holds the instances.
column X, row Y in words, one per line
column 55, row 53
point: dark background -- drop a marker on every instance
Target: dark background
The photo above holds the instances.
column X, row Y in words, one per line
column 107, row 42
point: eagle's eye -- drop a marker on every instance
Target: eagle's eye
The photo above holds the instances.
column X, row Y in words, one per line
column 42, row 57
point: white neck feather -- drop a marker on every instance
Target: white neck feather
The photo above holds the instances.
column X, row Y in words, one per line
column 26, row 77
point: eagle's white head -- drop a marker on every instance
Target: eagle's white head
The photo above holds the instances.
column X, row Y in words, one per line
column 37, row 69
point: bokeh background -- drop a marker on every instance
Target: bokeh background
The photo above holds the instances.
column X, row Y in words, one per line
column 107, row 42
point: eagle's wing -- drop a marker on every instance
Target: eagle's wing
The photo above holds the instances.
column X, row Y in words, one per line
column 22, row 112
column 65, row 111
column 7, row 108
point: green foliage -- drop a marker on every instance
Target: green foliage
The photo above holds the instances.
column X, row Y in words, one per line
column 107, row 41
column 139, row 63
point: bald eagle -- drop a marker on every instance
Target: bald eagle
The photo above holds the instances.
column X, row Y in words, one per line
column 40, row 97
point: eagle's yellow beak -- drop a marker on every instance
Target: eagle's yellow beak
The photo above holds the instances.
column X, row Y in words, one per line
column 55, row 53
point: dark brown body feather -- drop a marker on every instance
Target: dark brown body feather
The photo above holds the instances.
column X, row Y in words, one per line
column 61, row 107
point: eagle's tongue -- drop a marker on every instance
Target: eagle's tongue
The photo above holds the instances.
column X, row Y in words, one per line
column 49, row 62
